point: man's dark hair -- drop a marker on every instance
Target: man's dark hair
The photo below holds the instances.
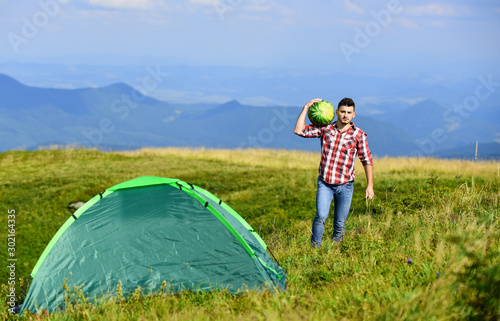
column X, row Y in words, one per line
column 347, row 102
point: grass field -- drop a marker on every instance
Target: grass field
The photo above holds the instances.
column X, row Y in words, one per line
column 443, row 214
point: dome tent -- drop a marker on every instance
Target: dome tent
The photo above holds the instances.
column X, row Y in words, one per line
column 149, row 230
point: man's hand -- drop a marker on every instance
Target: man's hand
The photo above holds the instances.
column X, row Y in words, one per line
column 301, row 121
column 312, row 101
column 369, row 193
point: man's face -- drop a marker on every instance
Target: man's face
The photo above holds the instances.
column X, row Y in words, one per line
column 345, row 114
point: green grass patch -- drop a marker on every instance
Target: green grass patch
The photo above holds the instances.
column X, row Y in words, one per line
column 445, row 217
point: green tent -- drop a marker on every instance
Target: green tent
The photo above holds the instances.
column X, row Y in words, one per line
column 146, row 231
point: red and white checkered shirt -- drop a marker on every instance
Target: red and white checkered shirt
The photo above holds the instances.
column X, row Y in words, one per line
column 339, row 151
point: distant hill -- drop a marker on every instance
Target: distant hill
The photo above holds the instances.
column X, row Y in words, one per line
column 92, row 117
column 119, row 117
column 419, row 119
column 484, row 151
column 431, row 123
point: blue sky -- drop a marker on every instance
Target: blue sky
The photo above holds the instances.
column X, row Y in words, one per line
column 361, row 35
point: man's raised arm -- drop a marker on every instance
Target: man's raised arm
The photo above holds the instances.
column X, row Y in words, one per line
column 301, row 120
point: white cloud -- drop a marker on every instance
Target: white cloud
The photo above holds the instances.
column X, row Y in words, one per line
column 258, row 7
column 353, row 7
column 205, row 2
column 378, row 100
column 246, row 9
column 349, row 22
column 260, row 101
column 436, row 23
column 433, row 79
column 375, row 112
column 254, row 5
column 123, row 4
column 452, row 126
column 434, row 9
column 255, row 11
column 407, row 23
column 253, row 17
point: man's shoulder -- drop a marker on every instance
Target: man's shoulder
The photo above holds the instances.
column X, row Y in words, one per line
column 358, row 131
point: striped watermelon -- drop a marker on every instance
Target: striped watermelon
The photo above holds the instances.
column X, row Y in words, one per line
column 321, row 113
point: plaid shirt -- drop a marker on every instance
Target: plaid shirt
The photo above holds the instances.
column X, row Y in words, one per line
column 339, row 151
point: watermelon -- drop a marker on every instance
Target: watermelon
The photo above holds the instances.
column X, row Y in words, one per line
column 321, row 113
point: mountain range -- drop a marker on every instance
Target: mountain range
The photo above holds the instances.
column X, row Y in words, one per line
column 120, row 117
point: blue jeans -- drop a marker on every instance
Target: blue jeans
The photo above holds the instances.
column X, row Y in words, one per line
column 342, row 195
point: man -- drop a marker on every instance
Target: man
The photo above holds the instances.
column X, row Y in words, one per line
column 341, row 143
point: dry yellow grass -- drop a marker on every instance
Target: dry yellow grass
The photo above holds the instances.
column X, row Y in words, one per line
column 270, row 158
column 416, row 165
column 294, row 159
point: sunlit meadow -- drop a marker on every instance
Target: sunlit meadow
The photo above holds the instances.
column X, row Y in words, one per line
column 426, row 248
